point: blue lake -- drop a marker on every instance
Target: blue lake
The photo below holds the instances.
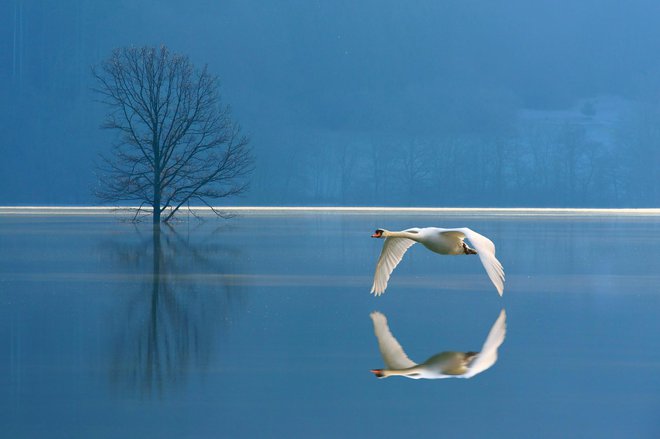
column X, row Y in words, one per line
column 259, row 326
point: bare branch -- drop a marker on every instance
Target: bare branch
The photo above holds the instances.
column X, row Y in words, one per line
column 177, row 142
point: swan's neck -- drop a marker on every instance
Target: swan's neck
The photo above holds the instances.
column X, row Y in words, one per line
column 408, row 235
column 412, row 372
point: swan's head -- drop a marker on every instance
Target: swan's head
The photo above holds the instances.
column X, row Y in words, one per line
column 378, row 233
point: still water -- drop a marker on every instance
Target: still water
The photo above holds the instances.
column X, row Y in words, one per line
column 259, row 326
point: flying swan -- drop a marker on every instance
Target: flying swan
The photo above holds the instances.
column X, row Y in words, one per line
column 443, row 241
column 443, row 365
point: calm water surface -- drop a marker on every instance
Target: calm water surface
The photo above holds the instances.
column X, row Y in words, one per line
column 259, row 327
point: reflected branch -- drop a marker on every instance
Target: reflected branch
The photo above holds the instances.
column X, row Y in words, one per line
column 170, row 321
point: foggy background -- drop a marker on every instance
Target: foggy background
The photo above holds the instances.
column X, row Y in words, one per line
column 428, row 103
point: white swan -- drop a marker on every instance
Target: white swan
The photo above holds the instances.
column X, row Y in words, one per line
column 443, row 365
column 443, row 241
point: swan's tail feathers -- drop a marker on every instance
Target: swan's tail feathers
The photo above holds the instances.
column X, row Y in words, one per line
column 378, row 373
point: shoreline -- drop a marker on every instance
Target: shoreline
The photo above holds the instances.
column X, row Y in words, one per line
column 281, row 210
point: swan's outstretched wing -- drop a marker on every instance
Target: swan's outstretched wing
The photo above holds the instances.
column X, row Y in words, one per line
column 390, row 256
column 486, row 252
column 488, row 355
column 390, row 349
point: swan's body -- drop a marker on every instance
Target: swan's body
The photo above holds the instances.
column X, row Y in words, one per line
column 442, row 241
column 443, row 365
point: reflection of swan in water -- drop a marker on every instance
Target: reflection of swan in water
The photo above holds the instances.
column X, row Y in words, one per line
column 443, row 365
column 442, row 241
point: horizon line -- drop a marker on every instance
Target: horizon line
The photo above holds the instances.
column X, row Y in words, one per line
column 549, row 211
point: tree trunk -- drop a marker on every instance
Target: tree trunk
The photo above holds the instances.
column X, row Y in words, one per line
column 157, row 187
column 156, row 205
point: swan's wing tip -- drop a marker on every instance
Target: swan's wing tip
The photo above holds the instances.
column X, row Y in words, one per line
column 390, row 349
column 390, row 255
column 488, row 354
column 494, row 270
column 376, row 291
column 486, row 252
column 377, row 315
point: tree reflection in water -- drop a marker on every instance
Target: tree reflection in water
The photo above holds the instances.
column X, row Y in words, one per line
column 168, row 328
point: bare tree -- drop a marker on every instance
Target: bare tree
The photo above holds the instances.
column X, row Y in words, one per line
column 177, row 142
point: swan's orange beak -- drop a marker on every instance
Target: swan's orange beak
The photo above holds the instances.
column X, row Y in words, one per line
column 377, row 234
column 377, row 372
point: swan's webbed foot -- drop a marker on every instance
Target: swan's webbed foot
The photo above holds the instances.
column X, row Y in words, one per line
column 468, row 251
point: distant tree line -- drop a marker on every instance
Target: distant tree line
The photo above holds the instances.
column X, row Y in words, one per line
column 535, row 163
